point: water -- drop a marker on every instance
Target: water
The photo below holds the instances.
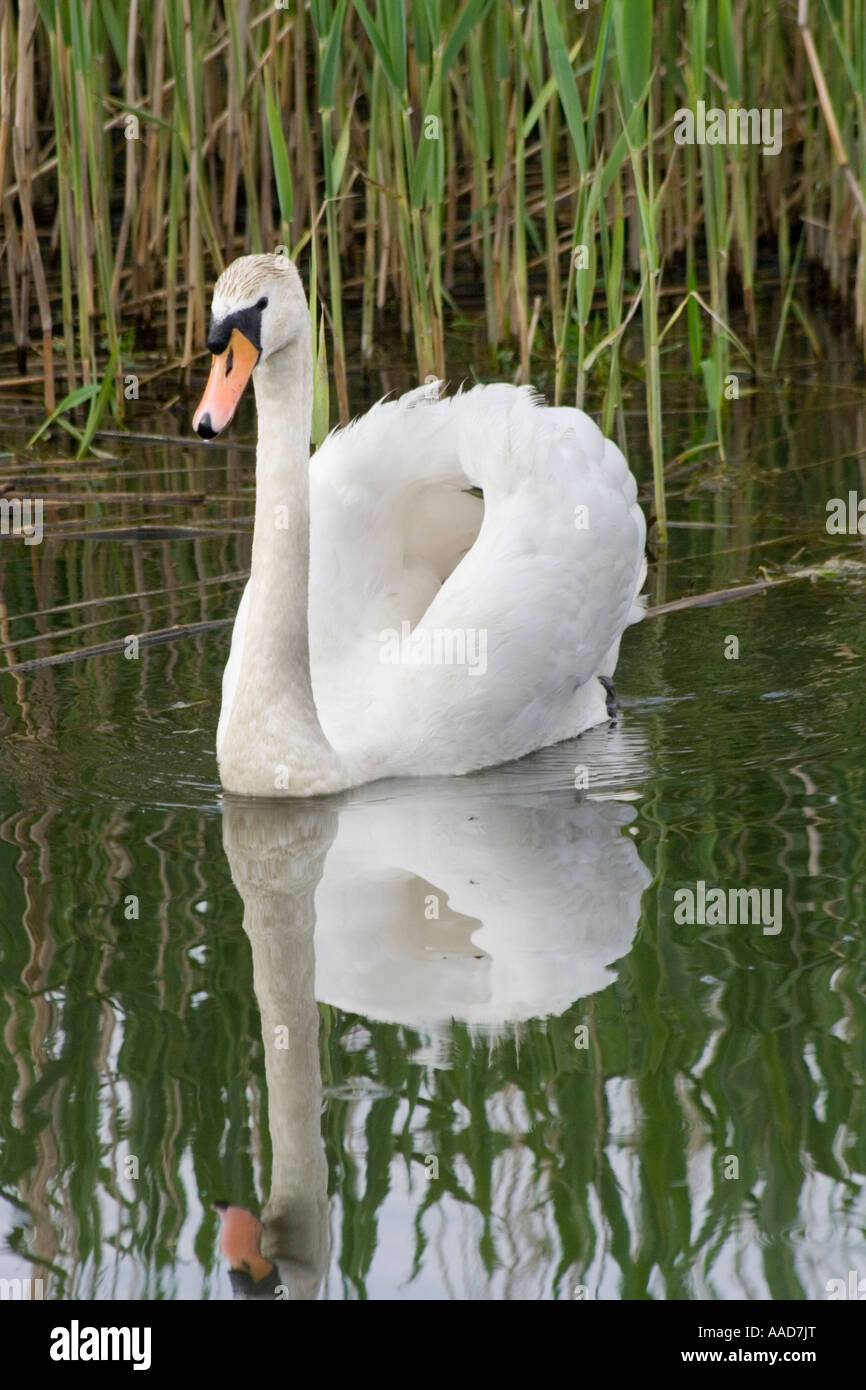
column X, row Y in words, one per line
column 450, row 1036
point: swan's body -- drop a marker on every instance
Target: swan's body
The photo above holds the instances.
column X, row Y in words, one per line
column 393, row 623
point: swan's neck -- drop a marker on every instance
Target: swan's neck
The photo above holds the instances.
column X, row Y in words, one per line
column 277, row 854
column 274, row 744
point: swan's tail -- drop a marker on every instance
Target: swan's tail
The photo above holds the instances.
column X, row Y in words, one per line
column 638, row 608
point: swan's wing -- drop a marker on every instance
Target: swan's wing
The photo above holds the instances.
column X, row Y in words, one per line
column 519, row 628
column 484, row 908
column 546, row 591
column 389, row 520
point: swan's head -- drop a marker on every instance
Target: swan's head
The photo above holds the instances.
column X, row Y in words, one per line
column 258, row 308
column 252, row 1276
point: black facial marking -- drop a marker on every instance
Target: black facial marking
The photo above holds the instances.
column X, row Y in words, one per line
column 249, row 321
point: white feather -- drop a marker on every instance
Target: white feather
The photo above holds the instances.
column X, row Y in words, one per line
column 395, row 540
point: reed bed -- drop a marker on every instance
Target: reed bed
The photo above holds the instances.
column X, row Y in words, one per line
column 422, row 157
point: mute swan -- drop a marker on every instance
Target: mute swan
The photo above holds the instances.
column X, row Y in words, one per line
column 393, row 624
column 536, row 894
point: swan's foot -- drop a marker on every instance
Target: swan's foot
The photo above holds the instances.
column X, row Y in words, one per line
column 610, row 691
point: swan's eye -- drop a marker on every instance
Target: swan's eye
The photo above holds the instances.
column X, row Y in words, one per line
column 263, row 302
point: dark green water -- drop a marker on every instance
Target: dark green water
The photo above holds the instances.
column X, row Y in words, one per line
column 554, row 1085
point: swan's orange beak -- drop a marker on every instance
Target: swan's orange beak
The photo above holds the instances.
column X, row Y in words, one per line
column 239, row 1240
column 229, row 373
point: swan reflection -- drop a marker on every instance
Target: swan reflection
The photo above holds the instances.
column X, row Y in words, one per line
column 490, row 900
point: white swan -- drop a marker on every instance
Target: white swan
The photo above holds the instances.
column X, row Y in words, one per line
column 443, row 634
column 536, row 895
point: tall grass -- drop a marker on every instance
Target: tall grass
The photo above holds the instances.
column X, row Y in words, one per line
column 432, row 153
